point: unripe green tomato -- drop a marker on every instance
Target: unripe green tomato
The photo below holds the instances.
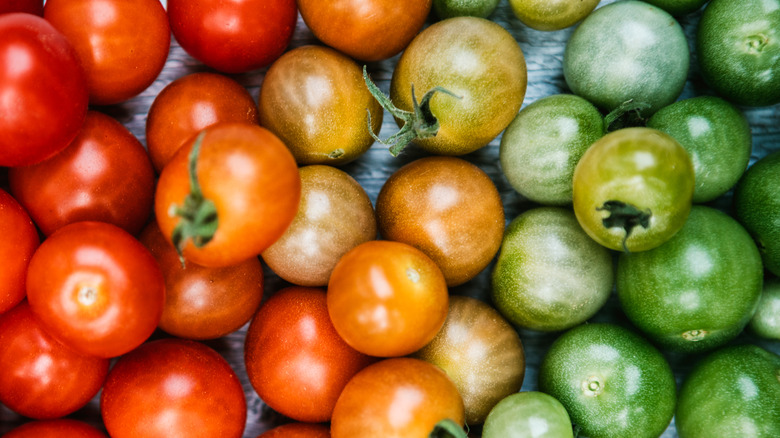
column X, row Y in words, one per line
column 459, row 8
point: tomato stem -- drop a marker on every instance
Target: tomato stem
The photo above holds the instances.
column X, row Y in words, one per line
column 628, row 114
column 447, row 429
column 626, row 216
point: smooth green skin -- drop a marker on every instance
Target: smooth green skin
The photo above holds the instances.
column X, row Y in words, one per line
column 766, row 321
column 549, row 15
column 543, row 144
column 738, row 50
column 529, row 414
column 698, row 290
column 550, row 275
column 459, row 8
column 627, row 50
column 678, row 7
column 717, row 137
column 612, row 382
column 733, row 392
column 757, row 207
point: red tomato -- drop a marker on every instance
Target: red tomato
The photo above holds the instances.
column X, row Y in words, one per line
column 243, row 190
column 29, row 6
column 173, row 388
column 20, row 239
column 96, row 288
column 104, row 175
column 59, row 428
column 235, row 36
column 122, row 44
column 294, row 358
column 297, row 430
column 41, row 377
column 43, row 89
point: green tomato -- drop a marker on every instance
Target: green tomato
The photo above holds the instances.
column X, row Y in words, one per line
column 460, row 8
column 733, row 392
column 717, row 137
column 550, row 275
column 766, row 320
column 678, row 7
column 529, row 414
column 551, row 14
column 738, row 49
column 543, row 144
column 612, row 382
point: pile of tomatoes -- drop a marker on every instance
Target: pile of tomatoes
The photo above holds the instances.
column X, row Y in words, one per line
column 390, row 218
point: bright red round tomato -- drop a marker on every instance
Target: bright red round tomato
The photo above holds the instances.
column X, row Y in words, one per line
column 235, row 36
column 122, row 44
column 173, row 388
column 96, row 288
column 295, row 359
column 43, row 89
column 20, row 239
column 103, row 175
column 42, row 378
column 242, row 190
column 59, row 428
column 28, row 6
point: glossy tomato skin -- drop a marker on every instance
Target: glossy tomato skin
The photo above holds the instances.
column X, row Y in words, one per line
column 528, row 414
column 295, row 359
column 96, row 288
column 475, row 59
column 173, row 388
column 253, row 181
column 368, row 30
column 236, row 36
column 29, row 6
column 42, row 378
column 16, row 249
column 549, row 15
column 314, row 98
column 48, row 99
column 396, row 398
column 122, row 45
column 387, row 298
column 58, row 428
column 103, row 175
column 766, row 321
column 298, row 430
column 192, row 103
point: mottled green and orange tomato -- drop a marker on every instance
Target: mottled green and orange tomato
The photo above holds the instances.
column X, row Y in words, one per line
column 551, row 14
column 446, row 207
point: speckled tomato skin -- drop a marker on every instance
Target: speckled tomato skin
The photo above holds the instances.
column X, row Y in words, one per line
column 766, row 321
column 549, row 15
column 528, row 414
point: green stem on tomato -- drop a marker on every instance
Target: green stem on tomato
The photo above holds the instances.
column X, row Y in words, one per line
column 625, row 216
column 628, row 114
column 447, row 429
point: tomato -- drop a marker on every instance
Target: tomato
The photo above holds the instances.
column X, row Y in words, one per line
column 297, row 430
column 173, row 388
column 315, row 100
column 368, row 30
column 295, row 359
column 44, row 90
column 96, row 288
column 396, row 398
column 746, row 405
column 482, row 354
column 611, row 381
column 231, row 198
column 236, row 36
column 387, row 298
column 190, row 104
column 334, row 216
column 627, row 51
column 447, row 208
column 528, row 414
column 550, row 275
column 717, row 137
column 20, row 240
column 482, row 69
column 738, row 47
column 766, row 321
column 632, row 189
column 59, row 428
column 458, row 8
column 200, row 302
column 28, row 6
column 41, row 377
column 103, row 175
column 119, row 60
column 551, row 15
column 678, row 7
column 544, row 142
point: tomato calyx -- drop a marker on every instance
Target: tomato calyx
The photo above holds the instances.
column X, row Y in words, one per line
column 625, row 216
column 420, row 123
column 198, row 215
column 447, row 429
column 627, row 114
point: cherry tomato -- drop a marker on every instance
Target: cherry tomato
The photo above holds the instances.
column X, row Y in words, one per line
column 235, row 36
column 458, row 8
column 192, row 103
column 43, row 378
column 173, row 388
column 295, row 359
column 765, row 322
column 59, row 428
column 122, row 45
column 44, row 90
column 549, row 15
column 96, row 288
column 387, row 298
column 103, row 175
column 678, row 7
column 297, row 430
column 28, row 6
column 231, row 198
column 368, row 30
column 528, row 414
column 20, row 239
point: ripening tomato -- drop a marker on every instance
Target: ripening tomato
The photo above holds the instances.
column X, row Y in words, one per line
column 28, row 6
column 20, row 239
column 298, row 430
column 549, row 15
column 59, row 428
